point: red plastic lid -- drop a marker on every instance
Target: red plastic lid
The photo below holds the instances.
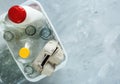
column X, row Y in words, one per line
column 17, row 14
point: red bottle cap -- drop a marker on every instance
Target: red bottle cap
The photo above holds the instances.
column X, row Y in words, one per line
column 17, row 14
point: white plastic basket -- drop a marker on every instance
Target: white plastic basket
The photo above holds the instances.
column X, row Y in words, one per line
column 61, row 65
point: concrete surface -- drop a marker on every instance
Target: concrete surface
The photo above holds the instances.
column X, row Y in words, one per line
column 89, row 30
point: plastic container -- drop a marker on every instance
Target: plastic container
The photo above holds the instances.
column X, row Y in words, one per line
column 29, row 33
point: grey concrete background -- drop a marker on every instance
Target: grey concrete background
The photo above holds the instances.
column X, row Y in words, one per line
column 83, row 26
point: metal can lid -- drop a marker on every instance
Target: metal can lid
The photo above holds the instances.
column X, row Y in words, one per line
column 28, row 69
column 30, row 30
column 8, row 36
column 45, row 33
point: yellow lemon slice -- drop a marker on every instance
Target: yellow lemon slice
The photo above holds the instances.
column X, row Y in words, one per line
column 24, row 53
